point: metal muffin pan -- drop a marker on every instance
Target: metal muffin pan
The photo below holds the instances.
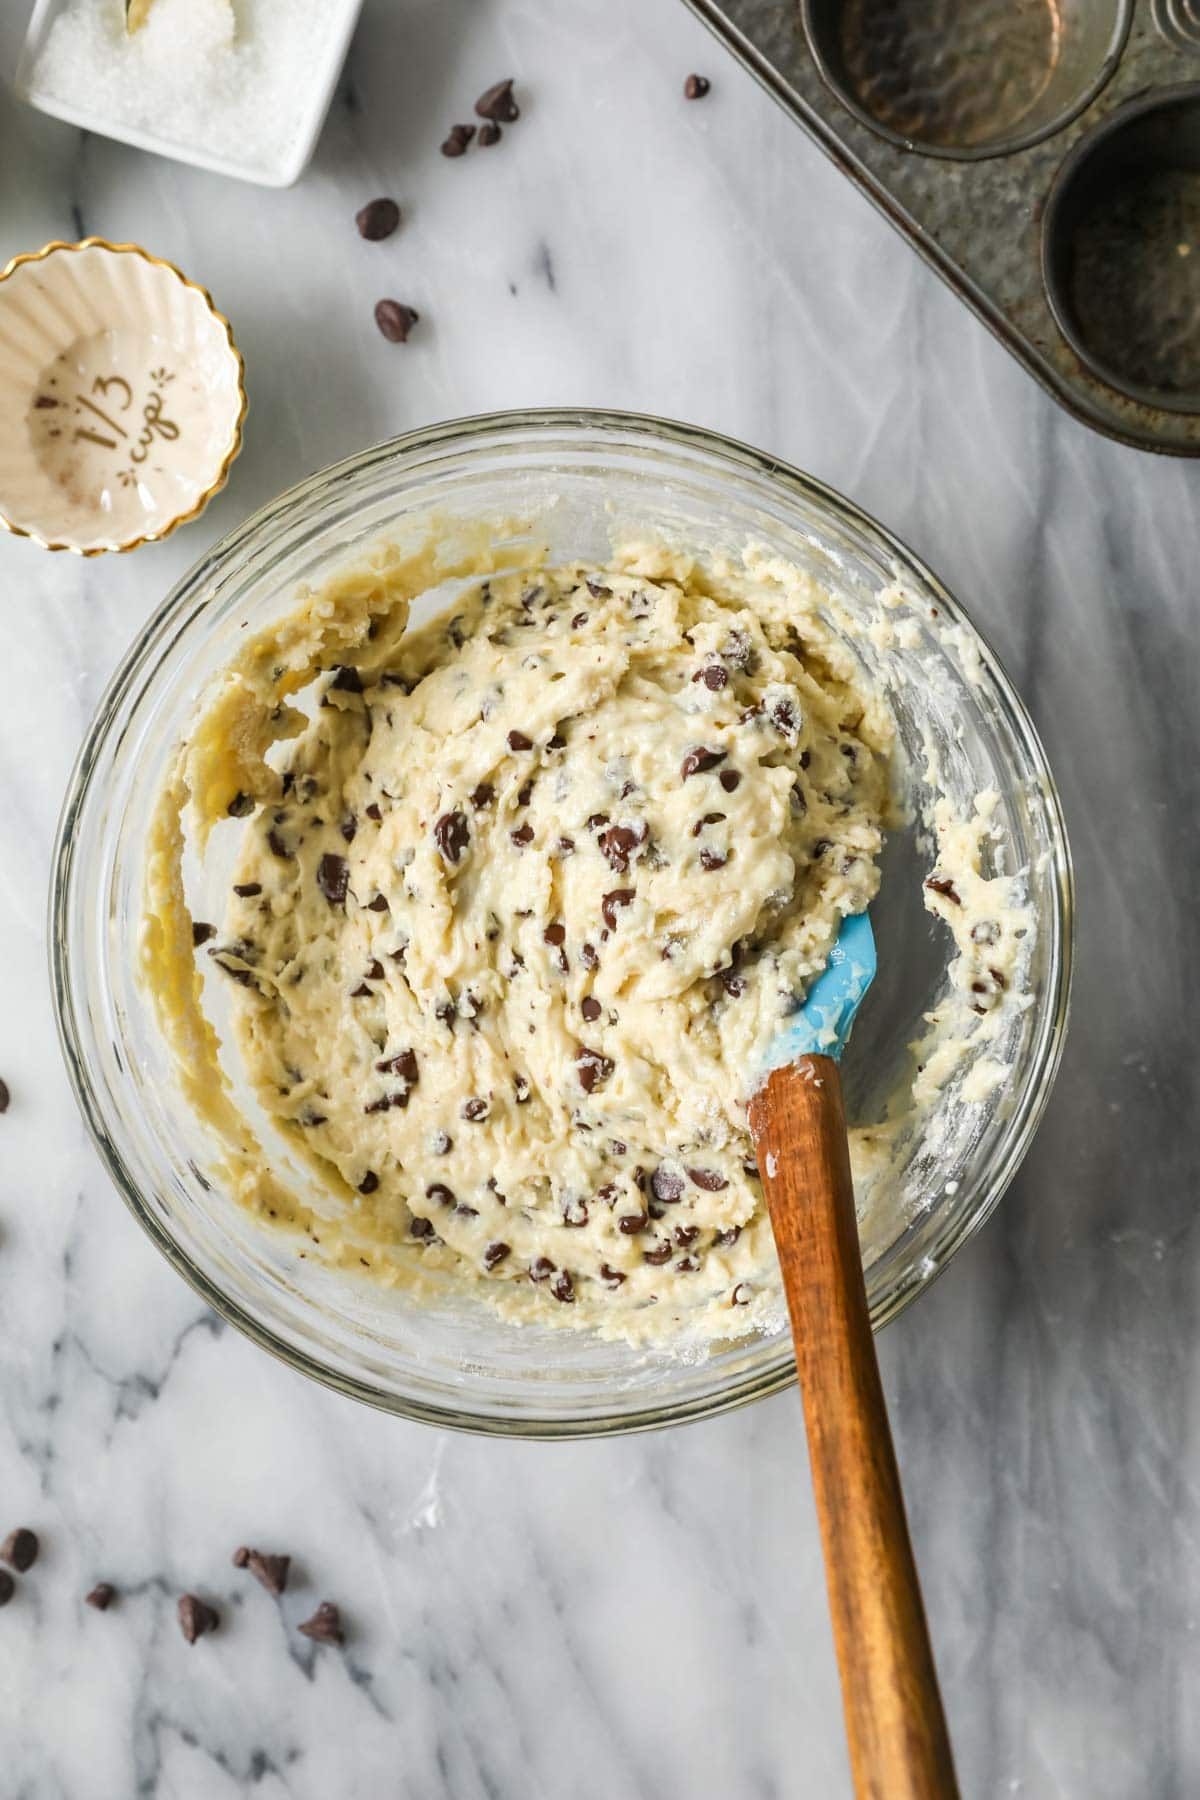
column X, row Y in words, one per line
column 1042, row 155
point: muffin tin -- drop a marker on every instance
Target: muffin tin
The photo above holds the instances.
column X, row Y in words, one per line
column 1042, row 155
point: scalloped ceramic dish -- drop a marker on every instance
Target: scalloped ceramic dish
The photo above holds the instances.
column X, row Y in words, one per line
column 124, row 393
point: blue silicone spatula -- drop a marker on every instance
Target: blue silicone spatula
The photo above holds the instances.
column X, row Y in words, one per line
column 899, row 1746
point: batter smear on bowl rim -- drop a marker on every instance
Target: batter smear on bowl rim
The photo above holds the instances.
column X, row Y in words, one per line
column 522, row 895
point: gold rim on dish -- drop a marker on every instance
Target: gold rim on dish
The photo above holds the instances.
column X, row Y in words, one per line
column 222, row 475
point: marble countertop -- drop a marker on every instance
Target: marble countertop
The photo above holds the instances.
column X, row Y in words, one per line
column 644, row 1617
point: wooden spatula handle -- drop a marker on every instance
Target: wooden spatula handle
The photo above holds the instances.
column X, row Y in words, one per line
column 899, row 1747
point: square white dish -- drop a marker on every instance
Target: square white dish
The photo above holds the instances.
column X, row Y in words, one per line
column 323, row 65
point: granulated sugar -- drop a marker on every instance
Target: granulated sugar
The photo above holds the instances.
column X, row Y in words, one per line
column 235, row 80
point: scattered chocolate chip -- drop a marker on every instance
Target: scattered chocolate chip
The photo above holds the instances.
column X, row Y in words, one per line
column 591, row 1008
column 541, row 1269
column 522, row 835
column 699, row 759
column 687, row 1265
column 325, row 1626
column 361, row 992
column 271, row 1570
column 278, row 847
column 711, row 1180
column 784, row 718
column 246, row 890
column 575, row 1213
column 566, row 846
column 495, row 1254
column 742, row 1294
column 521, row 1089
column 333, row 878
column 714, row 677
column 452, row 834
column 241, row 1556
column 710, row 818
column 617, row 898
column 8, row 1587
column 730, row 779
column 618, row 842
column 592, row 1068
column 348, row 827
column 562, row 1287
column 377, row 219
column 489, row 134
column 557, row 742
column 686, row 1235
column 201, row 932
column 524, row 793
column 373, row 812
column 374, row 970
column 20, row 1549
column 631, row 1223
column 404, row 1064
column 369, row 1182
column 483, row 795
column 940, row 885
column 518, row 741
column 444, row 1196
column 422, row 1229
column 999, row 978
column 101, row 1596
column 613, row 1277
column 580, row 618
column 666, row 1184
column 710, row 860
column 727, row 1238
column 379, row 904
column 820, row 847
column 239, row 806
column 395, row 320
column 696, row 86
column 660, row 1254
column 347, row 679
column 196, row 1617
column 497, row 104
column 734, row 984
column 475, row 1108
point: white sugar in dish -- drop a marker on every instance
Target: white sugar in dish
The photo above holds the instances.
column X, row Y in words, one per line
column 233, row 78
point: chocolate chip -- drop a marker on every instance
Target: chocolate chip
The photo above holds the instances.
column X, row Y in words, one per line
column 608, row 906
column 579, row 619
column 714, row 677
column 591, row 1008
column 489, row 134
column 272, row 1571
column 422, row 1229
column 666, row 1185
column 379, row 904
column 613, row 1277
column 8, row 1587
column 518, row 741
column 452, row 834
column 687, row 1265
column 733, row 984
column 727, row 1238
column 784, row 718
column 524, row 793
column 522, row 835
column 333, row 878
column 395, row 320
column 695, row 87
column 541, row 1269
column 347, row 679
column 369, row 1182
column 686, row 1235
column 729, row 779
column 246, row 890
column 940, row 885
column 495, row 1254
column 562, row 1287
column 196, row 1617
column 592, row 1068
column 618, row 842
column 101, row 1596
column 711, row 1180
column 361, row 992
column 348, row 827
column 557, row 742
column 201, row 932
column 377, row 219
column 742, row 1294
column 404, row 1064
column 712, row 818
column 710, row 860
column 475, row 1108
column 239, row 806
column 575, row 1213
column 20, row 1549
column 241, row 1556
column 588, row 956
column 700, row 758
column 437, row 1190
column 820, row 847
column 278, row 847
column 373, row 812
column 521, row 1089
column 325, row 1626
column 632, row 1223
column 660, row 1254
column 566, row 846
column 483, row 795
column 497, row 104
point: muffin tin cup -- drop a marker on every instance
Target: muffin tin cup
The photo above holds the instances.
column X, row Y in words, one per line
column 1042, row 155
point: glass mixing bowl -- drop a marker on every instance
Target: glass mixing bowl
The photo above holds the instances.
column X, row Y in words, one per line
column 450, row 1361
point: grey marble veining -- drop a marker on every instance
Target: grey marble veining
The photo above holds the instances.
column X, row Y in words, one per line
column 641, row 1619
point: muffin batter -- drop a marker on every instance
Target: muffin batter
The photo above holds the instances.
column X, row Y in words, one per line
column 516, row 915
